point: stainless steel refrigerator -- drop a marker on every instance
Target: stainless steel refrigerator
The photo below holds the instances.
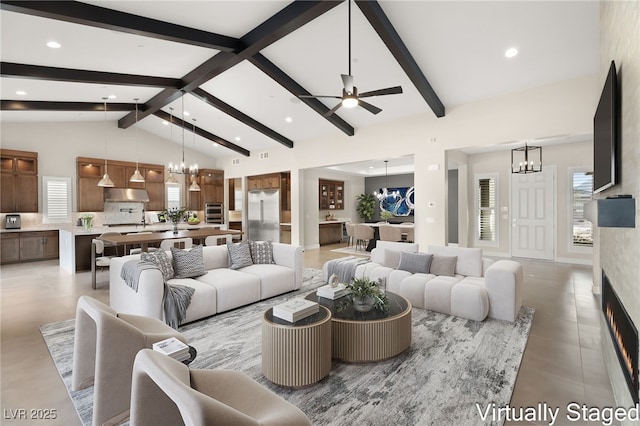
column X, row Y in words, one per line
column 264, row 215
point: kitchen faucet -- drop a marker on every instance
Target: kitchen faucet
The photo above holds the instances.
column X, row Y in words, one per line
column 144, row 220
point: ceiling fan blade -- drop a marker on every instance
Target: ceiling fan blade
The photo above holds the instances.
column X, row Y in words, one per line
column 347, row 81
column 333, row 110
column 371, row 108
column 319, row 96
column 388, row 91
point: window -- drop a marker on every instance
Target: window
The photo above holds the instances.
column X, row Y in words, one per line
column 56, row 197
column 173, row 197
column 486, row 202
column 581, row 192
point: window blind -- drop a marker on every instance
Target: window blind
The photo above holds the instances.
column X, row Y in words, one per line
column 487, row 209
column 57, row 199
column 581, row 193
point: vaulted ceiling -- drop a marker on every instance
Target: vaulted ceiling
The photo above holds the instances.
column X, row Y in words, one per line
column 242, row 64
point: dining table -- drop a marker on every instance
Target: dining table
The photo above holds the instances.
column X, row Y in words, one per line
column 376, row 231
column 144, row 239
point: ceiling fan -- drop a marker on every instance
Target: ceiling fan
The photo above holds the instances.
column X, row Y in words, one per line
column 350, row 97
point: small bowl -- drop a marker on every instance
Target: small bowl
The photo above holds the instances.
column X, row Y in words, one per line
column 197, row 222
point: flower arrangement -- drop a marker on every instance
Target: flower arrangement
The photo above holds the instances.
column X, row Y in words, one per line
column 87, row 220
column 174, row 214
column 386, row 215
column 364, row 288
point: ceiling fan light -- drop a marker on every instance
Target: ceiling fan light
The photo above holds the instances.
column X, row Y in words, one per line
column 350, row 102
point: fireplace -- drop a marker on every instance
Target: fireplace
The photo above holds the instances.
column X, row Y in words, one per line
column 624, row 335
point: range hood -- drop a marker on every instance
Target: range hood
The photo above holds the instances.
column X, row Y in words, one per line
column 126, row 194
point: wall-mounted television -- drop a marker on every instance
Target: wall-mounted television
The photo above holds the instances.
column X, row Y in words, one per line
column 606, row 144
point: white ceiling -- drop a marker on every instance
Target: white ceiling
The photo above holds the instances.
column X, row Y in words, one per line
column 459, row 47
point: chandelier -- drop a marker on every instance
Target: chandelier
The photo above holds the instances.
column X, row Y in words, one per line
column 522, row 159
column 383, row 193
column 194, row 169
column 180, row 168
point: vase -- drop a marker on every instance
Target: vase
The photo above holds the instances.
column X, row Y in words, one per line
column 363, row 303
column 87, row 222
column 175, row 228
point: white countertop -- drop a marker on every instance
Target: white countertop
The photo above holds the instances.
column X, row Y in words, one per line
column 79, row 230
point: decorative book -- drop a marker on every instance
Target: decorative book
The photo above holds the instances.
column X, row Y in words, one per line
column 333, row 293
column 295, row 310
column 172, row 347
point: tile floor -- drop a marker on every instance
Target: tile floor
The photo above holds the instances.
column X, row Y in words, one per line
column 562, row 362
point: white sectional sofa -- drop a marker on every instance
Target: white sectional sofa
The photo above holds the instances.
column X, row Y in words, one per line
column 476, row 289
column 219, row 290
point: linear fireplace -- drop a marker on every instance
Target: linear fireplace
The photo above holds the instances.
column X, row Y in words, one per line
column 623, row 333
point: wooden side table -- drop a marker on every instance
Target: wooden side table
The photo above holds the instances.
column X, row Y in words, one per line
column 296, row 354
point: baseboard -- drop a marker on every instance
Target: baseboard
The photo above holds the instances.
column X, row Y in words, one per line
column 312, row 247
column 575, row 261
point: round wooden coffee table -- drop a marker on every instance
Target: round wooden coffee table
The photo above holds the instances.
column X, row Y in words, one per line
column 296, row 354
column 368, row 336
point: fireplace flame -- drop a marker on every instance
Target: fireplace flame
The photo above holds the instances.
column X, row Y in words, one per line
column 625, row 354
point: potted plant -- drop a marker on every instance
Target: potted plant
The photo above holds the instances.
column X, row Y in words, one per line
column 367, row 295
column 174, row 215
column 386, row 215
column 366, row 205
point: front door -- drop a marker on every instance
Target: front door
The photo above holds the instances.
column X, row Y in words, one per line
column 532, row 214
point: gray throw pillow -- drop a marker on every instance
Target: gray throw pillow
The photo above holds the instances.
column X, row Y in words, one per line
column 415, row 262
column 443, row 265
column 391, row 258
column 262, row 252
column 239, row 255
column 160, row 258
column 188, row 263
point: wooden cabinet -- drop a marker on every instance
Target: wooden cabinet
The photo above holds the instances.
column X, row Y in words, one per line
column 285, row 191
column 29, row 246
column 329, row 233
column 19, row 181
column 285, row 234
column 91, row 170
column 10, row 248
column 211, row 189
column 331, row 194
column 270, row 181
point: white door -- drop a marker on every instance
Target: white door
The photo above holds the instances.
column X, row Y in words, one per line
column 532, row 214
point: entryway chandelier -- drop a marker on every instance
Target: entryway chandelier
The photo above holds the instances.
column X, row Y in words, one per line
column 522, row 159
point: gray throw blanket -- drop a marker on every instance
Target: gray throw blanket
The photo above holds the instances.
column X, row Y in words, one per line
column 176, row 298
column 345, row 267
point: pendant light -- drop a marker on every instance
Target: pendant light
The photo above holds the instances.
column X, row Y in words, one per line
column 106, row 180
column 193, row 170
column 521, row 159
column 137, row 176
column 171, row 179
column 384, row 191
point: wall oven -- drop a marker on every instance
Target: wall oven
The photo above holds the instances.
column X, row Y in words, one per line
column 214, row 213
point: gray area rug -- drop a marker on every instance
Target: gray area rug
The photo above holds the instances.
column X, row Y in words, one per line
column 452, row 365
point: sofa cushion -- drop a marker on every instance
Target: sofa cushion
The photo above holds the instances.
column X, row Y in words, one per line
column 274, row 279
column 443, row 265
column 415, row 262
column 261, row 252
column 233, row 288
column 203, row 302
column 391, row 258
column 239, row 255
column 469, row 301
column 188, row 263
column 215, row 257
column 469, row 259
column 377, row 254
column 160, row 258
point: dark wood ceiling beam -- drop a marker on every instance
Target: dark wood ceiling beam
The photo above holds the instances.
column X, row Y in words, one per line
column 95, row 16
column 280, row 77
column 13, row 70
column 380, row 22
column 292, row 17
column 16, row 105
column 208, row 98
column 201, row 132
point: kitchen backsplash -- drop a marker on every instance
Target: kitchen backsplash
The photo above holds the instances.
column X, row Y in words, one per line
column 123, row 213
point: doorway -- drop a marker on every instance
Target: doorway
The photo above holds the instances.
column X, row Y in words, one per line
column 533, row 221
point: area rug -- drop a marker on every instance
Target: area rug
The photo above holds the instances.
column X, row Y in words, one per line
column 453, row 367
column 352, row 250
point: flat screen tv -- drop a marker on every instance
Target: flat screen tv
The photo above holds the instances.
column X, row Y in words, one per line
column 606, row 149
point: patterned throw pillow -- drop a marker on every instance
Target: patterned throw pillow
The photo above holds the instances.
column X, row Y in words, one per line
column 160, row 258
column 188, row 263
column 239, row 255
column 262, row 252
column 443, row 265
column 415, row 262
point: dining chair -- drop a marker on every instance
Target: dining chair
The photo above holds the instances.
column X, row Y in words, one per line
column 410, row 235
column 110, row 245
column 98, row 259
column 390, row 233
column 214, row 240
column 165, row 391
column 104, row 348
column 138, row 250
column 349, row 227
column 362, row 233
column 182, row 243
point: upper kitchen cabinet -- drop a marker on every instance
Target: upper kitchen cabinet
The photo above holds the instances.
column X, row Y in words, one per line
column 331, row 194
column 211, row 189
column 90, row 171
column 19, row 184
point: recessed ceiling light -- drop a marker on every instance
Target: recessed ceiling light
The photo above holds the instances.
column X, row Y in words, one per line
column 112, row 96
column 165, row 122
column 187, row 113
column 215, row 144
column 21, row 92
column 288, row 119
column 511, row 52
column 54, row 45
column 237, row 138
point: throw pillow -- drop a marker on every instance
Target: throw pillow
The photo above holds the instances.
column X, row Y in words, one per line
column 188, row 263
column 239, row 255
column 391, row 258
column 160, row 258
column 443, row 265
column 262, row 252
column 415, row 262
